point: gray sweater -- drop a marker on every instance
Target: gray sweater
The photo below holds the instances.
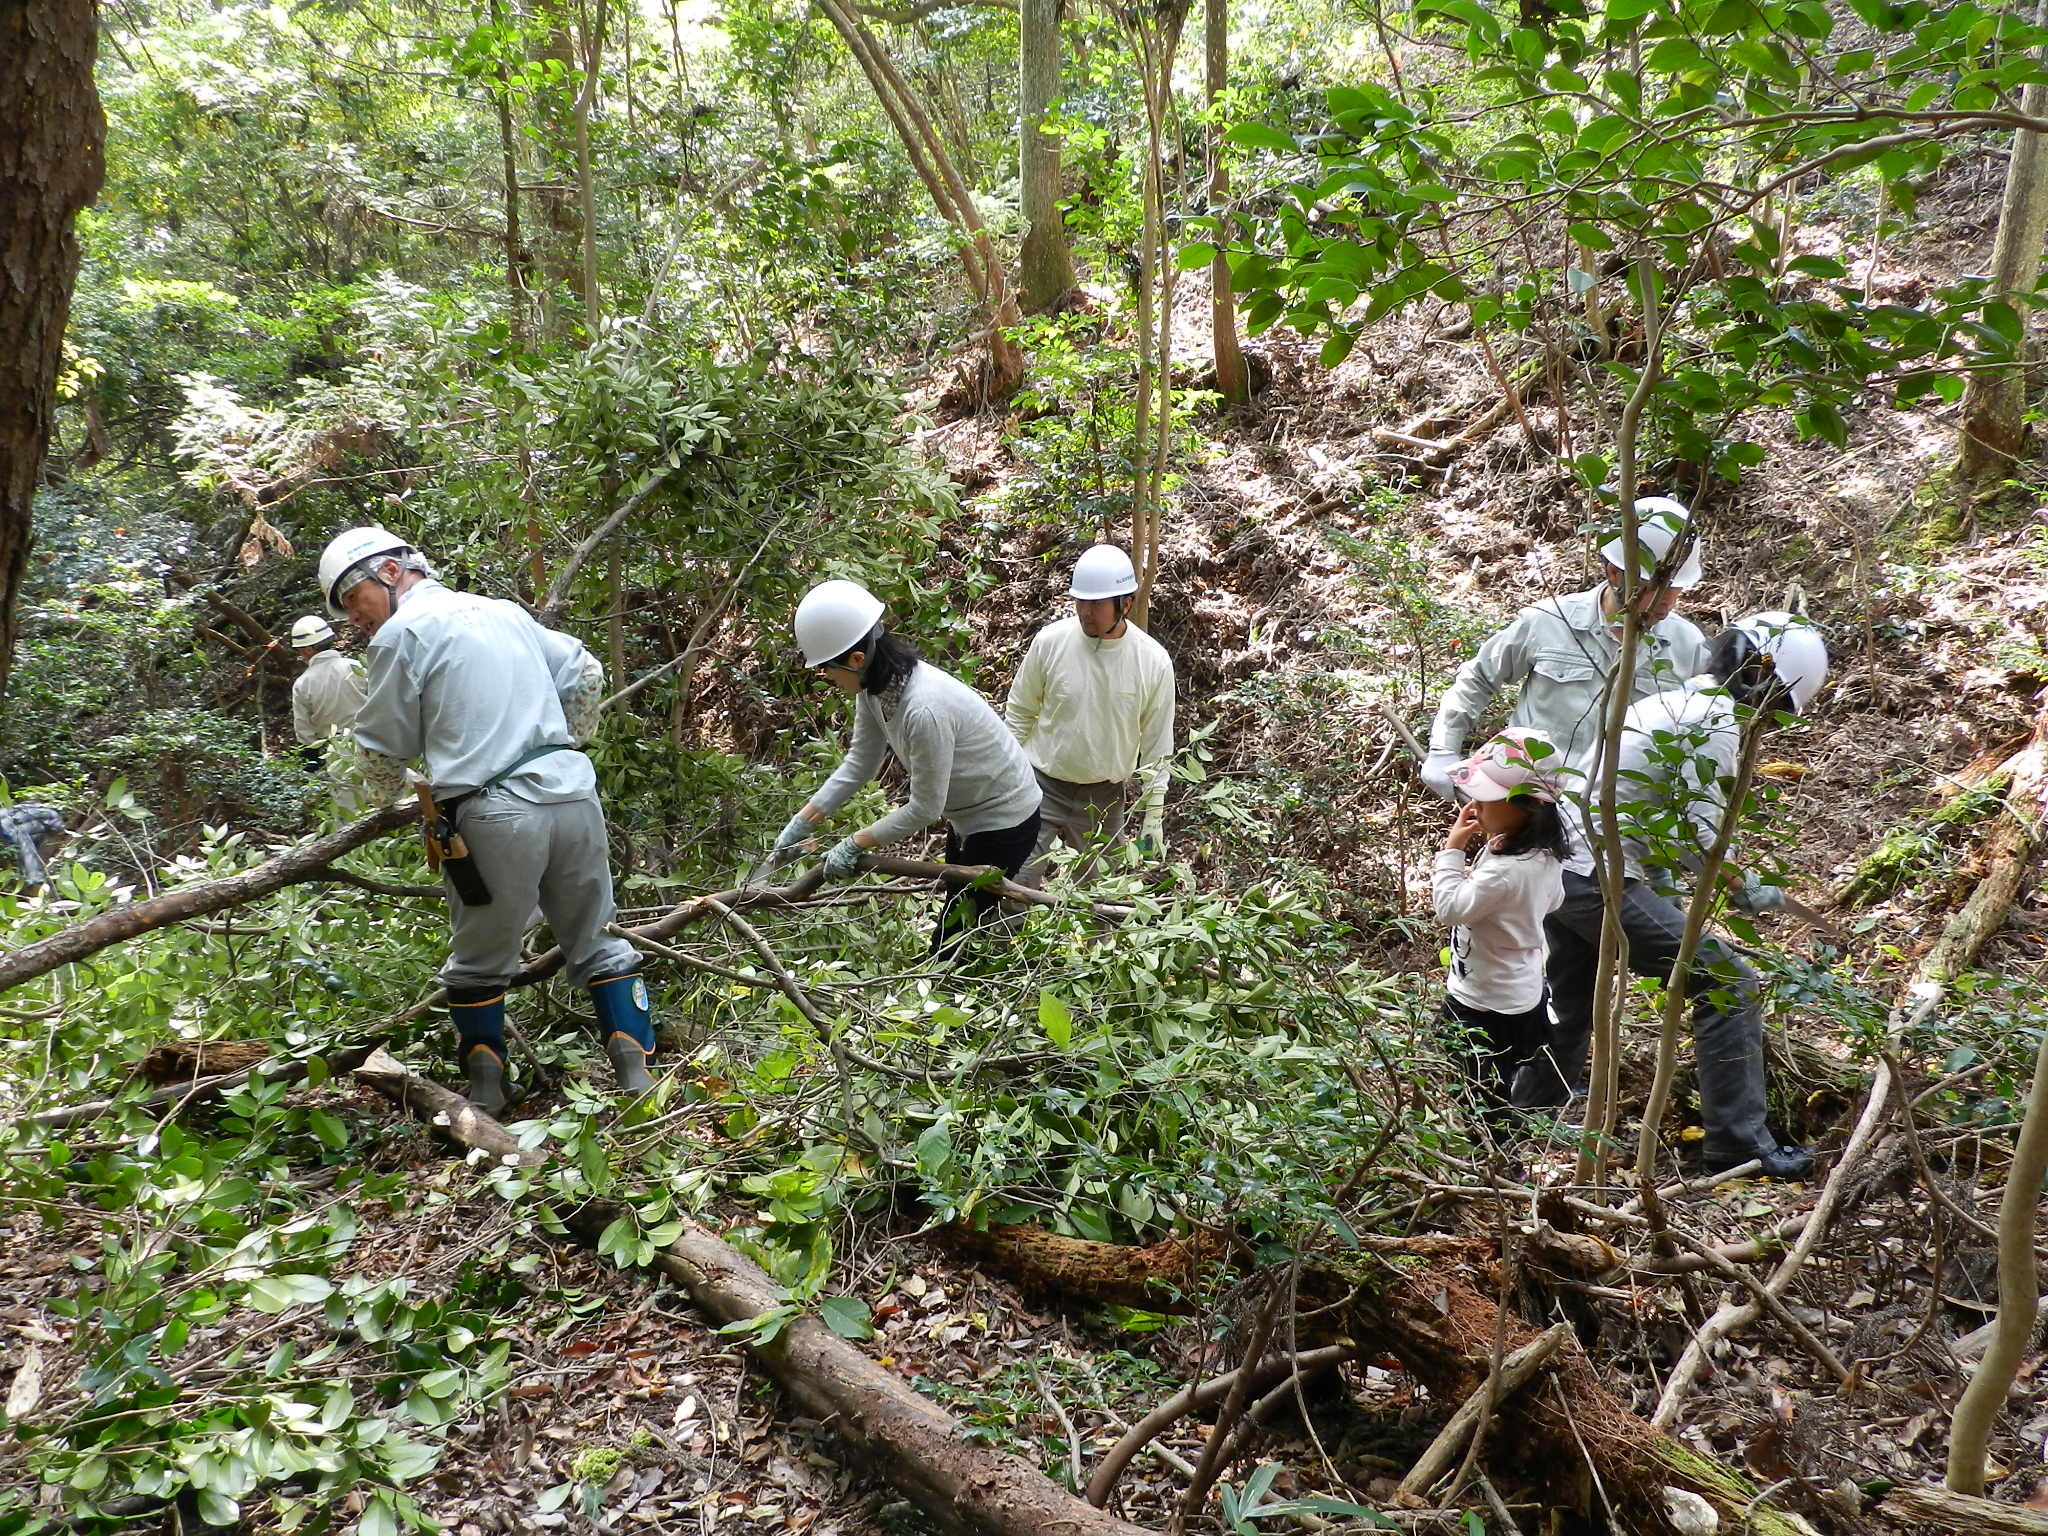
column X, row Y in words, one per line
column 962, row 760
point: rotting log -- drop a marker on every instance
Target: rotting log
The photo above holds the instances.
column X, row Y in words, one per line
column 1157, row 1276
column 2008, row 855
column 964, row 1486
column 1430, row 1313
column 296, row 865
column 1929, row 1504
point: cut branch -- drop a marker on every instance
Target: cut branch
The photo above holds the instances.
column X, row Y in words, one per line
column 307, row 861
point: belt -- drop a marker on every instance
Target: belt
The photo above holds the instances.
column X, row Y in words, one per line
column 454, row 803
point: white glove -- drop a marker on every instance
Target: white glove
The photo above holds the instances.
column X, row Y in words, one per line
column 1436, row 771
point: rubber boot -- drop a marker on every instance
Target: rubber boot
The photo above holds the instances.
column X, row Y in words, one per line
column 479, row 1018
column 625, row 1020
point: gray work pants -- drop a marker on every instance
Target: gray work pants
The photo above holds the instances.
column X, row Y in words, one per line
column 1727, row 1025
column 554, row 855
column 1083, row 816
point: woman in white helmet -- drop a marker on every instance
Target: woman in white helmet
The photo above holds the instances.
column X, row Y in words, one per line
column 963, row 763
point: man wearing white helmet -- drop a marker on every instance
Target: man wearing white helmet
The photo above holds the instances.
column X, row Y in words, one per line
column 1562, row 651
column 495, row 705
column 1676, row 761
column 1093, row 706
column 325, row 697
column 963, row 764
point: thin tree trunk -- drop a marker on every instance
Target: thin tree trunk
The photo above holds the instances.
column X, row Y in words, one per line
column 2011, row 850
column 1994, row 430
column 515, row 295
column 1232, row 382
column 1046, row 266
column 949, row 192
column 51, row 136
column 1610, row 988
column 593, row 40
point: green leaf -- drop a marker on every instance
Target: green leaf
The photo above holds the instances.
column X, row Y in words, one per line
column 219, row 1509
column 1261, row 136
column 278, row 1293
column 1194, row 256
column 847, row 1316
column 1336, row 347
column 1056, row 1020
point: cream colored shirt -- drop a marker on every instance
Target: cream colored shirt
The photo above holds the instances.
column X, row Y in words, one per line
column 327, row 696
column 1097, row 711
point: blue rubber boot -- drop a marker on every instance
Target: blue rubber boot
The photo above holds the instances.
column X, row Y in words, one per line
column 625, row 1021
column 478, row 1015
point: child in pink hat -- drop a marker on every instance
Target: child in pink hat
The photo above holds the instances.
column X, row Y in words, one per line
column 1496, row 903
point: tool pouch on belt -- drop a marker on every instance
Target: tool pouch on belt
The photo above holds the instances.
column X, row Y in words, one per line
column 447, row 852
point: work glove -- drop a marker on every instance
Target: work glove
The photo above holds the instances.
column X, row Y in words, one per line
column 1152, row 841
column 791, row 841
column 843, row 862
column 1754, row 896
column 1436, row 771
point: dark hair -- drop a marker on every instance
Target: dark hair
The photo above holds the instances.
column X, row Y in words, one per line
column 1541, row 831
column 1734, row 660
column 890, row 659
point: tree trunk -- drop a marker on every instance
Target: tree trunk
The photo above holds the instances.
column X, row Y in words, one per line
column 1047, row 267
column 1232, row 382
column 51, row 135
column 1003, row 370
column 1919, row 1504
column 2010, row 853
column 515, row 293
column 592, row 60
column 1993, row 429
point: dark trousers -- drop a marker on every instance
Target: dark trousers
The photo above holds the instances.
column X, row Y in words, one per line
column 1004, row 847
column 1502, row 1044
column 1727, row 1025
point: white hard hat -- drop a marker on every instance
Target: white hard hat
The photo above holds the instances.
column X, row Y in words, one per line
column 311, row 630
column 1795, row 649
column 1103, row 571
column 348, row 550
column 833, row 618
column 1659, row 522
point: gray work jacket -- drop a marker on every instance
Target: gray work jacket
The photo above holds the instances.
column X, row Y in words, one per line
column 1561, row 652
column 470, row 684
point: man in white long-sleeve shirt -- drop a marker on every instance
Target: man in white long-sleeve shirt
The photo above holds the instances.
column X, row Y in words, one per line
column 1093, row 706
column 327, row 694
column 495, row 706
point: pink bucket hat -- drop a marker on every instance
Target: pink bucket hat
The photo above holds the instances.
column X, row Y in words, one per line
column 1512, row 764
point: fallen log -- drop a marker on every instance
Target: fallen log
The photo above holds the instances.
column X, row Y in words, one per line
column 1158, row 1276
column 182, row 1095
column 1517, row 1370
column 1930, row 1504
column 1429, row 1312
column 306, row 861
column 2008, row 854
column 963, row 1485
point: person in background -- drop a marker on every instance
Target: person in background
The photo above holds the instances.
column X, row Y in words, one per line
column 1093, row 706
column 1678, row 756
column 1495, row 905
column 1560, row 653
column 963, row 763
column 326, row 696
column 494, row 705
column 26, row 828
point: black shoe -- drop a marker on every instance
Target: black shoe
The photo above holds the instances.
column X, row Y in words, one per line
column 1788, row 1163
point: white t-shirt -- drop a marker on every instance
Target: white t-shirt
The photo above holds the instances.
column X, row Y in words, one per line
column 1096, row 711
column 1496, row 908
column 1677, row 760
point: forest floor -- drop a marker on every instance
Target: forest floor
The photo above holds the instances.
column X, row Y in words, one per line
column 1288, row 599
